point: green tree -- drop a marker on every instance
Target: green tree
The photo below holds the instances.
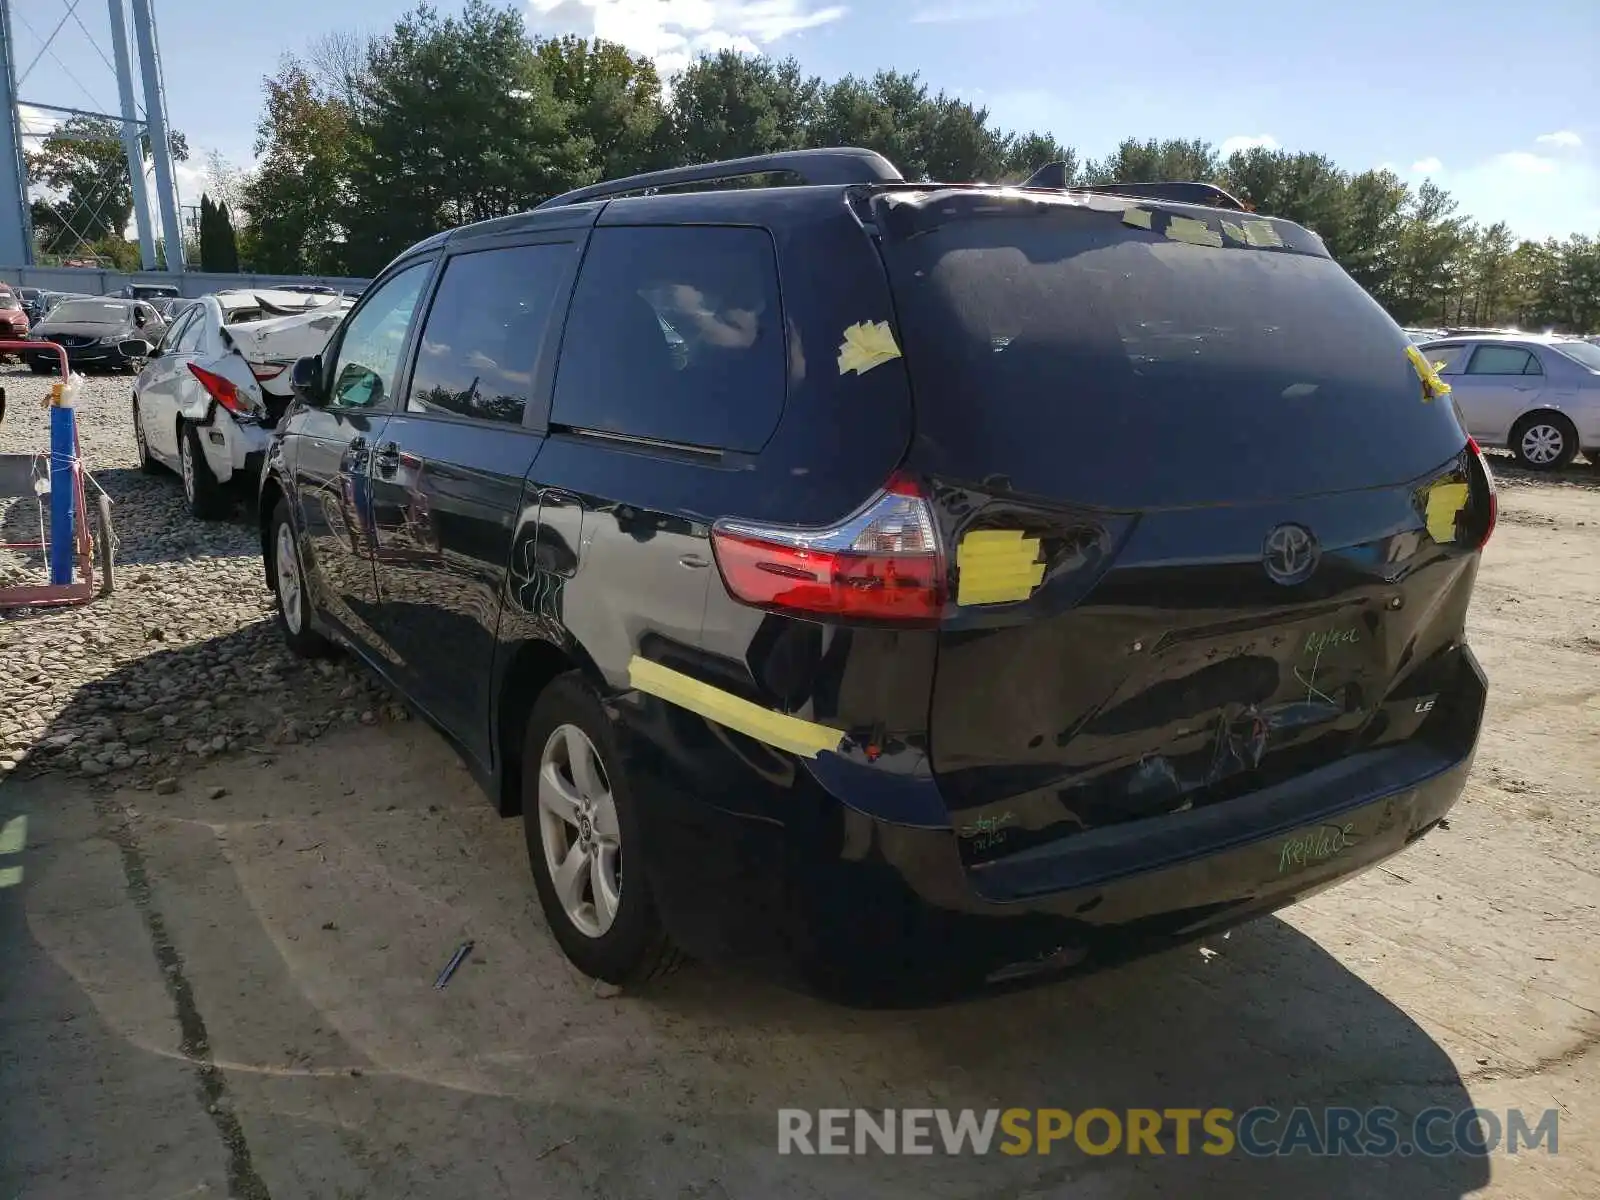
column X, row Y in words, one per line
column 208, row 234
column 456, row 121
column 613, row 101
column 84, row 171
column 297, row 198
column 1153, row 161
column 1428, row 255
column 227, row 239
column 730, row 105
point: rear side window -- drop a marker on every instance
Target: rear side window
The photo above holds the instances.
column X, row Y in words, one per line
column 484, row 330
column 1084, row 360
column 1503, row 360
column 675, row 334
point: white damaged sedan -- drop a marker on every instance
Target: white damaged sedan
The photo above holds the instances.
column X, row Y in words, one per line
column 205, row 404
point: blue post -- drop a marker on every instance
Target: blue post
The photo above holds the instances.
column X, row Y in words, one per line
column 63, row 450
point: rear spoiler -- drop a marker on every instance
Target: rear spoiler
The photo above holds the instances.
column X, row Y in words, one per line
column 1054, row 176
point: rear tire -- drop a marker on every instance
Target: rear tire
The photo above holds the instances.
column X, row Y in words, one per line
column 289, row 586
column 207, row 500
column 1545, row 441
column 587, row 818
column 39, row 368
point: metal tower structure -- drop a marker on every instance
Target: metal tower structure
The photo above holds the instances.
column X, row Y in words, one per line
column 139, row 126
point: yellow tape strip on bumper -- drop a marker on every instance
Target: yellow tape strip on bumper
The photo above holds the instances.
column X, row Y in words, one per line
column 780, row 730
column 997, row 566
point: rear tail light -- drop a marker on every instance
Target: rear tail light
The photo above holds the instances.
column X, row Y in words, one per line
column 881, row 564
column 267, row 370
column 1485, row 501
column 221, row 389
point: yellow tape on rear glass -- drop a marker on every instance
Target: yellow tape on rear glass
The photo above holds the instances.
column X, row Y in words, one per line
column 1136, row 216
column 997, row 566
column 1432, row 383
column 776, row 729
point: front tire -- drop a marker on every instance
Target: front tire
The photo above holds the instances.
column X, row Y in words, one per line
column 1544, row 441
column 289, row 586
column 579, row 817
column 204, row 494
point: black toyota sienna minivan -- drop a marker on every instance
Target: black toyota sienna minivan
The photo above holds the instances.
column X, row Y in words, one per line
column 913, row 584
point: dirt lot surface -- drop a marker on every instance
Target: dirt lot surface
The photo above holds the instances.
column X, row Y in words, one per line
column 219, row 961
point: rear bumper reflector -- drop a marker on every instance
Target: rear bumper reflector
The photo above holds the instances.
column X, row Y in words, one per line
column 779, row 730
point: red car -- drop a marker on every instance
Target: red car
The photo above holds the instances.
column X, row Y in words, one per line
column 13, row 321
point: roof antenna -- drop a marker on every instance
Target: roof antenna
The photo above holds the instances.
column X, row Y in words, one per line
column 1051, row 175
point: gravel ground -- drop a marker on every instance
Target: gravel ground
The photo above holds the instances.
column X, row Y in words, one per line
column 182, row 662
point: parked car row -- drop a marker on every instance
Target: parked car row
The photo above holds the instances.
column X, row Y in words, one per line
column 939, row 615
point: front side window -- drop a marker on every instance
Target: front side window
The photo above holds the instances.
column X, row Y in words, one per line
column 675, row 334
column 483, row 333
column 1501, row 360
column 368, row 358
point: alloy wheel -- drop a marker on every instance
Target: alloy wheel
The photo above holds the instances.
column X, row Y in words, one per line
column 579, row 831
column 290, row 590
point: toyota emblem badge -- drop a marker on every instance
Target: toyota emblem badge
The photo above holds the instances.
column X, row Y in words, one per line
column 1290, row 554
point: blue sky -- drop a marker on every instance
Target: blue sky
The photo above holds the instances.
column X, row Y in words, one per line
column 1500, row 105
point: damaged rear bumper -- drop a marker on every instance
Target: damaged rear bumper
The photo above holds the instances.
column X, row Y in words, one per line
column 864, row 905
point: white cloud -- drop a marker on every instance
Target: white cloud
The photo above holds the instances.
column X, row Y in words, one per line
column 1427, row 166
column 673, row 32
column 1523, row 163
column 951, row 11
column 1563, row 138
column 34, row 123
column 1536, row 195
column 1242, row 141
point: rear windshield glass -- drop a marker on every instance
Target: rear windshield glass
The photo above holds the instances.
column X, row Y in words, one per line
column 1084, row 360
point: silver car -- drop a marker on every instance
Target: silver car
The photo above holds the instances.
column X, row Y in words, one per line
column 1538, row 396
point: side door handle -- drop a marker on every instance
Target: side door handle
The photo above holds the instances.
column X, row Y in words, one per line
column 387, row 457
column 354, row 451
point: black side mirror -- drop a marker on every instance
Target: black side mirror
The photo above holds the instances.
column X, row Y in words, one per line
column 305, row 380
column 136, row 348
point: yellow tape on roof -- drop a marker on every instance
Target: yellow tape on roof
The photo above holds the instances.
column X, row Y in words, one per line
column 1196, row 233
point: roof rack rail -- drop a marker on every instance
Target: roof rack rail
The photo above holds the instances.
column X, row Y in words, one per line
column 1054, row 175
column 835, row 164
